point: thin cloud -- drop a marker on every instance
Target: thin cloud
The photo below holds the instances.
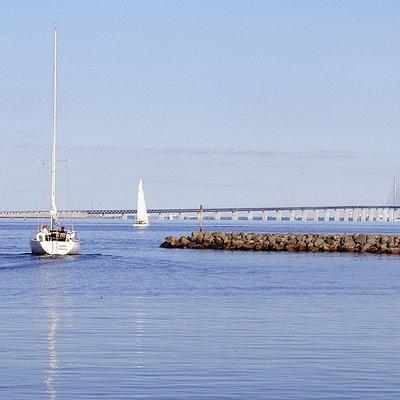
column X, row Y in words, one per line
column 348, row 154
column 22, row 139
column 219, row 151
column 99, row 148
column 181, row 150
column 199, row 183
column 20, row 133
column 18, row 190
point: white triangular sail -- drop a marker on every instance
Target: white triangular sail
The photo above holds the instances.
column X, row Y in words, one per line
column 142, row 216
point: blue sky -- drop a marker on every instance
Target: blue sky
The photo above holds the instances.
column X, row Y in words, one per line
column 214, row 102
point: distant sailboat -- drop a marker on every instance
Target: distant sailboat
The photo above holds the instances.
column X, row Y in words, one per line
column 56, row 240
column 142, row 218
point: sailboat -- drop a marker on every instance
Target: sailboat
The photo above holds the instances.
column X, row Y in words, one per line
column 56, row 240
column 142, row 218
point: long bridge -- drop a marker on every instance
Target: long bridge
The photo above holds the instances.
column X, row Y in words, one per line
column 302, row 213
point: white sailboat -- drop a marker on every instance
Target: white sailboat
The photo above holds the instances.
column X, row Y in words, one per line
column 56, row 240
column 142, row 218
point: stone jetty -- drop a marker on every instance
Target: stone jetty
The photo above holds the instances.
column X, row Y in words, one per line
column 309, row 242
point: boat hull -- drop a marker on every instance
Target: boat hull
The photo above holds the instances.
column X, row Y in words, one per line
column 141, row 225
column 54, row 247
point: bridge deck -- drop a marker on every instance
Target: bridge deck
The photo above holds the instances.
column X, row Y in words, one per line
column 206, row 210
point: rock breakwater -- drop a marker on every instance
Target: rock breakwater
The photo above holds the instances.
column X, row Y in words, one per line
column 311, row 242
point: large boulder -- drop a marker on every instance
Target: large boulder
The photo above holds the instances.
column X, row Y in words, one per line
column 326, row 247
column 365, row 247
column 361, row 239
column 237, row 244
column 291, row 247
column 301, row 246
column 271, row 240
column 329, row 240
column 184, row 241
column 218, row 241
column 383, row 248
column 169, row 242
column 280, row 246
column 197, row 237
column 384, row 239
column 248, row 245
column 348, row 240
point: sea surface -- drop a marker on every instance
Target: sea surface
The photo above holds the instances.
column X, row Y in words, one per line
column 126, row 319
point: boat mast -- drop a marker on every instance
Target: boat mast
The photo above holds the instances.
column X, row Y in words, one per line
column 53, row 209
column 395, row 192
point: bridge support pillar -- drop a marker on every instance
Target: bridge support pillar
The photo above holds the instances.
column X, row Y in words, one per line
column 124, row 216
column 346, row 215
column 304, row 215
column 291, row 215
column 181, row 216
column 326, row 215
column 336, row 215
column 161, row 216
column 385, row 214
column 363, row 215
column 315, row 216
column 217, row 215
column 234, row 215
column 279, row 215
column 250, row 215
column 264, row 215
column 391, row 214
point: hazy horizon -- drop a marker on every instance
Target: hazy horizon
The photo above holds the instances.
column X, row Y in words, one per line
column 227, row 103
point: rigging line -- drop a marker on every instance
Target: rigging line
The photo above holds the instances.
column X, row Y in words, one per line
column 43, row 184
column 67, row 179
column 66, row 196
column 46, row 175
column 392, row 198
column 38, row 185
column 68, row 187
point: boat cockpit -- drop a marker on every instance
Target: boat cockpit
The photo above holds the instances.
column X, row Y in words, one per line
column 60, row 234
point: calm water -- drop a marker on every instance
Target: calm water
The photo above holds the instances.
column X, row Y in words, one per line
column 126, row 319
